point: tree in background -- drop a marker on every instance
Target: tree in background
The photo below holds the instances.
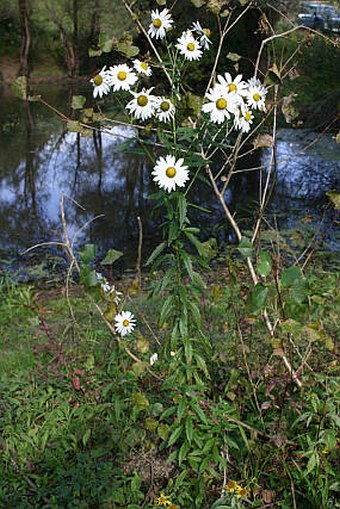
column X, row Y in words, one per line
column 24, row 13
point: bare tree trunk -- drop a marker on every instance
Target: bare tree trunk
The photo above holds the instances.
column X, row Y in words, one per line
column 24, row 12
column 95, row 23
column 75, row 38
column 69, row 39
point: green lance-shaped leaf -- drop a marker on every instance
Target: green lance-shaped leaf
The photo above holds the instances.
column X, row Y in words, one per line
column 188, row 351
column 156, row 252
column 175, row 435
column 202, row 364
column 195, row 241
column 188, row 264
column 182, row 207
column 183, row 452
column 182, row 407
column 167, row 308
column 111, row 256
column 86, row 437
column 195, row 312
column 189, row 429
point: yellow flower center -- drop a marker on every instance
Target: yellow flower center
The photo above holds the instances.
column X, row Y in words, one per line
column 142, row 100
column 170, row 172
column 207, row 31
column 98, row 80
column 190, row 46
column 232, row 87
column 221, row 104
column 126, row 323
column 144, row 66
column 157, row 23
column 256, row 97
column 122, row 75
column 247, row 115
column 165, row 106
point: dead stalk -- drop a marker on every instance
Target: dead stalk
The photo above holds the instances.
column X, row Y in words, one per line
column 139, row 251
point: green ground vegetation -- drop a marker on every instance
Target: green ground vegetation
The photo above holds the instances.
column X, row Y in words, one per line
column 85, row 425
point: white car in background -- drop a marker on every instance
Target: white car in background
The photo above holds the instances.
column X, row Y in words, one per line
column 319, row 16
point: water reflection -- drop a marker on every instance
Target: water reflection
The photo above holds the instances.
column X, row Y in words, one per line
column 40, row 160
column 308, row 165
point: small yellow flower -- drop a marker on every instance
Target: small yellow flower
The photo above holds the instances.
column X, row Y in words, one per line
column 233, row 487
column 163, row 501
column 241, row 492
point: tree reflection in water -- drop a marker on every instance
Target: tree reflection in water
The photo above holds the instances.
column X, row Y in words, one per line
column 40, row 160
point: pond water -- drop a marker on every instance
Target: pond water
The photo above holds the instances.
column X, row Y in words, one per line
column 106, row 189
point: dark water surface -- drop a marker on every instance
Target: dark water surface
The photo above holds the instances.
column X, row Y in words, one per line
column 40, row 160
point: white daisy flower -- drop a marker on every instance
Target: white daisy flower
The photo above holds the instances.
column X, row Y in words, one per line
column 143, row 105
column 237, row 85
column 189, row 47
column 125, row 323
column 203, row 33
column 221, row 105
column 153, row 359
column 142, row 67
column 111, row 291
column 165, row 110
column 122, row 77
column 101, row 83
column 244, row 119
column 169, row 173
column 256, row 94
column 160, row 23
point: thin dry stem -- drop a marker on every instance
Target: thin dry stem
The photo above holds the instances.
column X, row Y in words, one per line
column 263, row 195
column 287, row 32
column 223, row 34
column 144, row 320
column 145, row 33
column 66, row 236
column 139, row 251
